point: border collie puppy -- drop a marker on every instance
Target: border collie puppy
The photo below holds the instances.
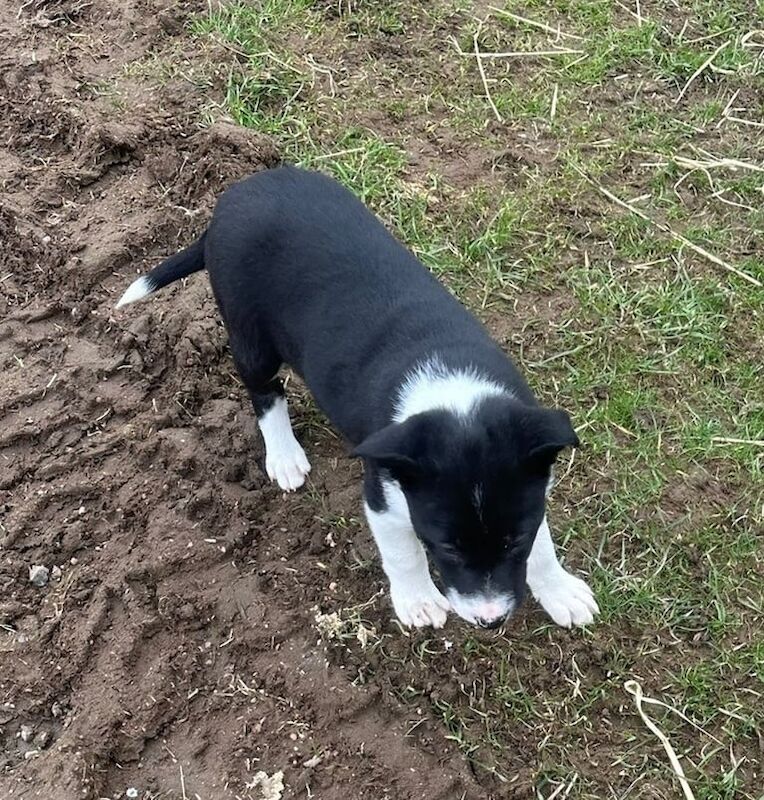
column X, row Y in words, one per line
column 457, row 452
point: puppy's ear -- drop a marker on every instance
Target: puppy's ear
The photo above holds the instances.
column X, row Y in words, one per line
column 550, row 431
column 399, row 447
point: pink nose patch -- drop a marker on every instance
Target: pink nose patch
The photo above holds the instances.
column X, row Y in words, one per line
column 490, row 610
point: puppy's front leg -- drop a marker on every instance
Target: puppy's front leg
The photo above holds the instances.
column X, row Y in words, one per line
column 567, row 599
column 415, row 597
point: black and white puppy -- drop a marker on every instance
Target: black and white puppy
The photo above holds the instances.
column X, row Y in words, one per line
column 458, row 454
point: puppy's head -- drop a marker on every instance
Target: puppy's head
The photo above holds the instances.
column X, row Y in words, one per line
column 476, row 487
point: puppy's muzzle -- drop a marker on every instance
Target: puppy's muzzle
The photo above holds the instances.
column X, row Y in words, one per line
column 486, row 611
column 491, row 623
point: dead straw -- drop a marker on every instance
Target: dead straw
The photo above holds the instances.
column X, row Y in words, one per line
column 532, row 23
column 699, row 71
column 701, row 251
column 481, row 70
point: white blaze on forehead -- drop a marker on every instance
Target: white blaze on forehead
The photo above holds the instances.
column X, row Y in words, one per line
column 481, row 606
column 433, row 385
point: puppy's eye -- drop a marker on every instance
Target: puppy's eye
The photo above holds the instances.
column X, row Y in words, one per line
column 514, row 549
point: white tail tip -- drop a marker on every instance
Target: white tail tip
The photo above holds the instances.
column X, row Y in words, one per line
column 138, row 289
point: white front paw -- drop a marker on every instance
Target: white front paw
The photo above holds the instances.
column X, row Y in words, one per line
column 419, row 605
column 288, row 466
column 567, row 599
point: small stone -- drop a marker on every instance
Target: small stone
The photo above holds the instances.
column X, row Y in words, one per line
column 38, row 575
column 132, row 793
column 81, row 510
column 271, row 786
column 42, row 740
column 27, row 733
column 313, row 761
column 31, row 754
column 55, row 574
column 56, row 709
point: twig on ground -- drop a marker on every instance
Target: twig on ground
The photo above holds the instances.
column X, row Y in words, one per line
column 481, row 70
column 705, row 162
column 335, row 154
column 708, row 161
column 753, row 40
column 228, row 46
column 634, row 14
column 563, row 787
column 752, row 123
column 728, row 440
column 562, row 51
column 728, row 116
column 323, row 70
column 714, row 35
column 707, row 63
column 533, row 23
column 718, row 195
column 728, row 108
column 701, row 251
column 482, row 54
column 635, row 690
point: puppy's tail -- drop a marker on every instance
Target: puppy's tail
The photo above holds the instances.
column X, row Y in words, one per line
column 178, row 266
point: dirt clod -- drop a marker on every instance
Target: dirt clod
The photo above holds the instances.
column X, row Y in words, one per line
column 43, row 739
column 270, row 787
column 39, row 575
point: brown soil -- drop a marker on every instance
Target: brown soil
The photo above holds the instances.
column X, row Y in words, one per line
column 177, row 650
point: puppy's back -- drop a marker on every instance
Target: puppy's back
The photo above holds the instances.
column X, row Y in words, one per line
column 297, row 260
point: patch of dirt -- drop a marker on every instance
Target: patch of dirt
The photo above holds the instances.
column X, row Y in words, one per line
column 174, row 649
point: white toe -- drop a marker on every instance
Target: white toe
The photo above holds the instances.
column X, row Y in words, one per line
column 288, row 468
column 285, row 460
column 420, row 606
column 567, row 599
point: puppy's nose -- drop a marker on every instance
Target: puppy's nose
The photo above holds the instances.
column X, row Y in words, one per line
column 491, row 613
column 491, row 623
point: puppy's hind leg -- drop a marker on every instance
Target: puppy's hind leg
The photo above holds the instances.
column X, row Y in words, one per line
column 285, row 460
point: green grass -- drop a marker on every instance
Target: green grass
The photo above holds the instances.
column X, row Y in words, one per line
column 656, row 352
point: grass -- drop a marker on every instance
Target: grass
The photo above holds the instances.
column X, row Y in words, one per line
column 655, row 351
